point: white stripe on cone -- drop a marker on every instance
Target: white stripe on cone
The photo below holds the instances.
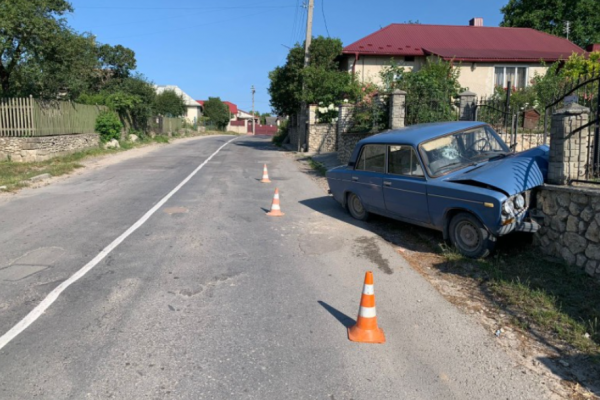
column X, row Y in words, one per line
column 368, row 289
column 367, row 312
column 275, row 207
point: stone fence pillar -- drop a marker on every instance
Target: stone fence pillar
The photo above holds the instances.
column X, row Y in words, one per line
column 397, row 109
column 569, row 150
column 312, row 114
column 467, row 106
column 344, row 118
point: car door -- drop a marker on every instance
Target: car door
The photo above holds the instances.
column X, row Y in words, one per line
column 366, row 179
column 404, row 185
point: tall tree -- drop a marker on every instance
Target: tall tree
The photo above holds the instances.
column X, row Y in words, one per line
column 551, row 16
column 323, row 80
column 217, row 112
column 27, row 27
column 170, row 104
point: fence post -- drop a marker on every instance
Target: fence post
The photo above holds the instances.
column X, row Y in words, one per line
column 397, row 108
column 467, row 106
column 569, row 150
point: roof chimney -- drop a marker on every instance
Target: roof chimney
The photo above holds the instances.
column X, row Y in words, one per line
column 476, row 22
column 593, row 47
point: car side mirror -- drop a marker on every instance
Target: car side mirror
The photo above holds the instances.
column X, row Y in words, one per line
column 351, row 163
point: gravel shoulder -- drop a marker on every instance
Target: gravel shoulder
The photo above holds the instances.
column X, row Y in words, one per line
column 538, row 353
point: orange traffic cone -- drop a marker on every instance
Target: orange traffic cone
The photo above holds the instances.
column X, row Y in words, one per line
column 366, row 329
column 265, row 178
column 275, row 209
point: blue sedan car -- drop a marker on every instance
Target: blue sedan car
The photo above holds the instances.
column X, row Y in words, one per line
column 456, row 177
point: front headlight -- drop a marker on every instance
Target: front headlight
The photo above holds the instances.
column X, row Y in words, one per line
column 508, row 207
column 519, row 202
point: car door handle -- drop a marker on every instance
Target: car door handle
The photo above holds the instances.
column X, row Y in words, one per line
column 355, row 178
column 387, row 183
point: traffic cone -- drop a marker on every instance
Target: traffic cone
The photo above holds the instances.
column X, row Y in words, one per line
column 275, row 209
column 366, row 330
column 265, row 178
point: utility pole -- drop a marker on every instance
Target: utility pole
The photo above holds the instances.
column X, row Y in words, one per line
column 307, row 40
column 567, row 28
column 253, row 120
column 309, row 23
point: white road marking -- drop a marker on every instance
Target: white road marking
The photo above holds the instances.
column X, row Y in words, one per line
column 53, row 295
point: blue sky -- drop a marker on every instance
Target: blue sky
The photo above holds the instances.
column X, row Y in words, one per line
column 211, row 48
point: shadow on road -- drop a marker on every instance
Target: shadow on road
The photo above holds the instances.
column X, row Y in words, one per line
column 251, row 142
column 340, row 316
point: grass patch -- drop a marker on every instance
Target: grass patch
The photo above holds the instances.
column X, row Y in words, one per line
column 317, row 166
column 544, row 297
column 14, row 175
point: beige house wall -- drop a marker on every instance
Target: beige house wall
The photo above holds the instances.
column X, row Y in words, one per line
column 193, row 114
column 477, row 77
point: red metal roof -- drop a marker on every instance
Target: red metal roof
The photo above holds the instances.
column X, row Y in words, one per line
column 465, row 43
column 232, row 107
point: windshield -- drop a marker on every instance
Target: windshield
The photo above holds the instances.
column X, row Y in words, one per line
column 461, row 149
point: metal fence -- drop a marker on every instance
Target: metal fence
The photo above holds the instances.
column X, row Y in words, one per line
column 421, row 110
column 580, row 145
column 24, row 117
column 370, row 116
column 164, row 125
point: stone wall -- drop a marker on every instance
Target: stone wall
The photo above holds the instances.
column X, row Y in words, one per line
column 571, row 225
column 42, row 148
column 346, row 144
column 322, row 138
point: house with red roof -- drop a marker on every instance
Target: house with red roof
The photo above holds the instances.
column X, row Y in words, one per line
column 486, row 56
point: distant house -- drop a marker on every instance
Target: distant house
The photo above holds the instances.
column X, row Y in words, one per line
column 233, row 110
column 486, row 56
column 273, row 121
column 194, row 110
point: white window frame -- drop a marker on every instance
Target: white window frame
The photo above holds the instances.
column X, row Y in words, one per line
column 504, row 83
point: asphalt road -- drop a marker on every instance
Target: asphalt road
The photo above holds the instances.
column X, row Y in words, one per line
column 212, row 299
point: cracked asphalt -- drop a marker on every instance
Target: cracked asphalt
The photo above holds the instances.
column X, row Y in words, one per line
column 212, row 299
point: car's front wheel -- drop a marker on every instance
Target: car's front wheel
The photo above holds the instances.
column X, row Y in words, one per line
column 356, row 208
column 470, row 237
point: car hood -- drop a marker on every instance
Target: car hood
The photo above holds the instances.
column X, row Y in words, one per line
column 511, row 175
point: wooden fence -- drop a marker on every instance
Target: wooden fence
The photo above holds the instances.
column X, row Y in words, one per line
column 23, row 117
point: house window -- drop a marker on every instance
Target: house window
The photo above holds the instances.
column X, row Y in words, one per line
column 517, row 76
column 409, row 58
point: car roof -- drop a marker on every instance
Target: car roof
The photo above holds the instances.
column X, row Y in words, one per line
column 415, row 134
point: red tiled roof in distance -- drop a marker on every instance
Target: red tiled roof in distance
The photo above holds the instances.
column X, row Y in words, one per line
column 465, row 43
column 232, row 107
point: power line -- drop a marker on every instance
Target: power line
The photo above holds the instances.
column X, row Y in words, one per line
column 186, row 28
column 324, row 19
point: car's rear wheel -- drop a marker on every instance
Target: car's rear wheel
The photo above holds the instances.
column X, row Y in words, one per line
column 470, row 237
column 356, row 208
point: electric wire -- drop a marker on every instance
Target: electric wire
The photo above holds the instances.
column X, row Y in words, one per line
column 324, row 18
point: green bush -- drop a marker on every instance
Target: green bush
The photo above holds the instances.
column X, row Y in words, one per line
column 282, row 134
column 108, row 126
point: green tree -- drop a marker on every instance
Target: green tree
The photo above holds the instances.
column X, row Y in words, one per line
column 323, row 80
column 119, row 60
column 430, row 90
column 29, row 30
column 217, row 112
column 551, row 15
column 170, row 104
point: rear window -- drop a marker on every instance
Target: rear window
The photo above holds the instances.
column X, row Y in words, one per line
column 372, row 158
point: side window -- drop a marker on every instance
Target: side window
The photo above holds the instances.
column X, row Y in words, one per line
column 402, row 160
column 372, row 158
